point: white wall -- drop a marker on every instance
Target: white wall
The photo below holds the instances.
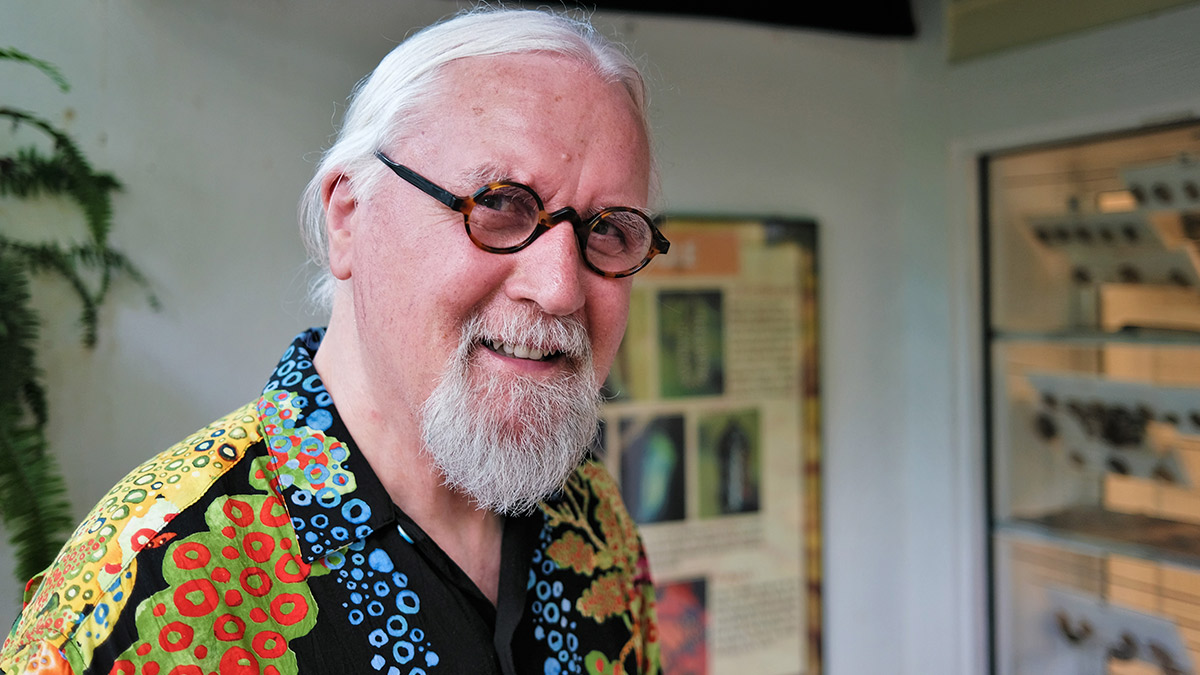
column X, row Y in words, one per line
column 212, row 112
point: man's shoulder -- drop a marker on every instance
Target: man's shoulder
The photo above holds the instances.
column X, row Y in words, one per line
column 598, row 558
column 91, row 579
column 595, row 478
column 590, row 504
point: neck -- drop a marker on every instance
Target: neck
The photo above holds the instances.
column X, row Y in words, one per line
column 389, row 437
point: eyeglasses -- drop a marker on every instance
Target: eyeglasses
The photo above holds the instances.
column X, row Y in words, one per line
column 505, row 217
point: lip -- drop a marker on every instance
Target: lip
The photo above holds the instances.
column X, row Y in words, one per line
column 518, row 351
column 549, row 363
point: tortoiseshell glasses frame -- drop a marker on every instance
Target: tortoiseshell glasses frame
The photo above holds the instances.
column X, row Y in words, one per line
column 508, row 216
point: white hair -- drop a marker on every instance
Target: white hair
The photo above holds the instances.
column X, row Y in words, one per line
column 388, row 101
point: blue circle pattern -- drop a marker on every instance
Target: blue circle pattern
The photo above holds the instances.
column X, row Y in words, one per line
column 374, row 588
column 554, row 616
column 295, row 368
column 324, row 520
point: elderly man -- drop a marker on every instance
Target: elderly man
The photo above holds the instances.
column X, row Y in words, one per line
column 409, row 494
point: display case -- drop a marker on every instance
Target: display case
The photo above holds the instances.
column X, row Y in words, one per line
column 1092, row 375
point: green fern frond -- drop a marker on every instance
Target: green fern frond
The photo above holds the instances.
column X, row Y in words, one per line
column 60, row 138
column 114, row 261
column 52, row 257
column 33, row 395
column 31, row 174
column 18, row 335
column 46, row 67
column 69, row 263
column 37, row 527
column 67, row 172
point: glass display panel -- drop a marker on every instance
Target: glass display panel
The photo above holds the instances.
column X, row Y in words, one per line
column 1092, row 371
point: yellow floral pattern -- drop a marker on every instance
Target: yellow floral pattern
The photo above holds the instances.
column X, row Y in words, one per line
column 87, row 588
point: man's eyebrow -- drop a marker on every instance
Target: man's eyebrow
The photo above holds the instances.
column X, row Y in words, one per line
column 474, row 178
column 483, row 174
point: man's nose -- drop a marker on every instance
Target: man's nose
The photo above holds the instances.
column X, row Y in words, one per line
column 550, row 272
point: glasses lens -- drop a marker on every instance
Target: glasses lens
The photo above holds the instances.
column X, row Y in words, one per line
column 619, row 240
column 504, row 215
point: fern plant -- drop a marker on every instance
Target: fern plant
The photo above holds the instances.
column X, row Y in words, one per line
column 33, row 504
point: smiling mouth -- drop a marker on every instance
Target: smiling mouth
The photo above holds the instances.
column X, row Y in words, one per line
column 519, row 351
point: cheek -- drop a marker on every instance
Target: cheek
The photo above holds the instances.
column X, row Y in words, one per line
column 608, row 312
column 418, row 268
column 384, row 285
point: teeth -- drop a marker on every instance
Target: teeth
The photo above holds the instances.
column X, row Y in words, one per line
column 518, row 351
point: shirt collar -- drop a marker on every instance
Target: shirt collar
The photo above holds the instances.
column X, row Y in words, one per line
column 332, row 495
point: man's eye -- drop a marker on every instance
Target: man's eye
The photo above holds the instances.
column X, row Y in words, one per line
column 507, row 199
column 494, row 201
column 606, row 228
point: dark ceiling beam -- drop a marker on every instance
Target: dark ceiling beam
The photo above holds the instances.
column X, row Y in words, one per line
column 880, row 18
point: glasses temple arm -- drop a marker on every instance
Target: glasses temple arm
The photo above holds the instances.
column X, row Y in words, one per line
column 421, row 183
column 661, row 244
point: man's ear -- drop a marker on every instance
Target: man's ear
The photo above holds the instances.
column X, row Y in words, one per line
column 341, row 210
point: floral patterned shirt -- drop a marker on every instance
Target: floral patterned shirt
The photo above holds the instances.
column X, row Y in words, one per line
column 264, row 543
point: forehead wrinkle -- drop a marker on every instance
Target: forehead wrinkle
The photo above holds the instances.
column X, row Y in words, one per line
column 549, row 187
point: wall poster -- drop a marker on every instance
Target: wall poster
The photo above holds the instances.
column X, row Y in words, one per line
column 712, row 427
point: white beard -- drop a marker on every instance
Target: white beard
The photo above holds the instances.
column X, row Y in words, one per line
column 510, row 442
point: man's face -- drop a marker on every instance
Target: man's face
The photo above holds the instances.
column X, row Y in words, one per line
column 417, row 279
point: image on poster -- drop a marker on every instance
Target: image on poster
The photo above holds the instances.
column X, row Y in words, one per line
column 730, row 466
column 692, row 348
column 653, row 467
column 683, row 626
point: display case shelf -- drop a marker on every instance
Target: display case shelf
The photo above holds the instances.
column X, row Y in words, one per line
column 1100, row 530
column 1096, row 338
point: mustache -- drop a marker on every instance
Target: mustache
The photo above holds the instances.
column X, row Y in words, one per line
column 565, row 335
